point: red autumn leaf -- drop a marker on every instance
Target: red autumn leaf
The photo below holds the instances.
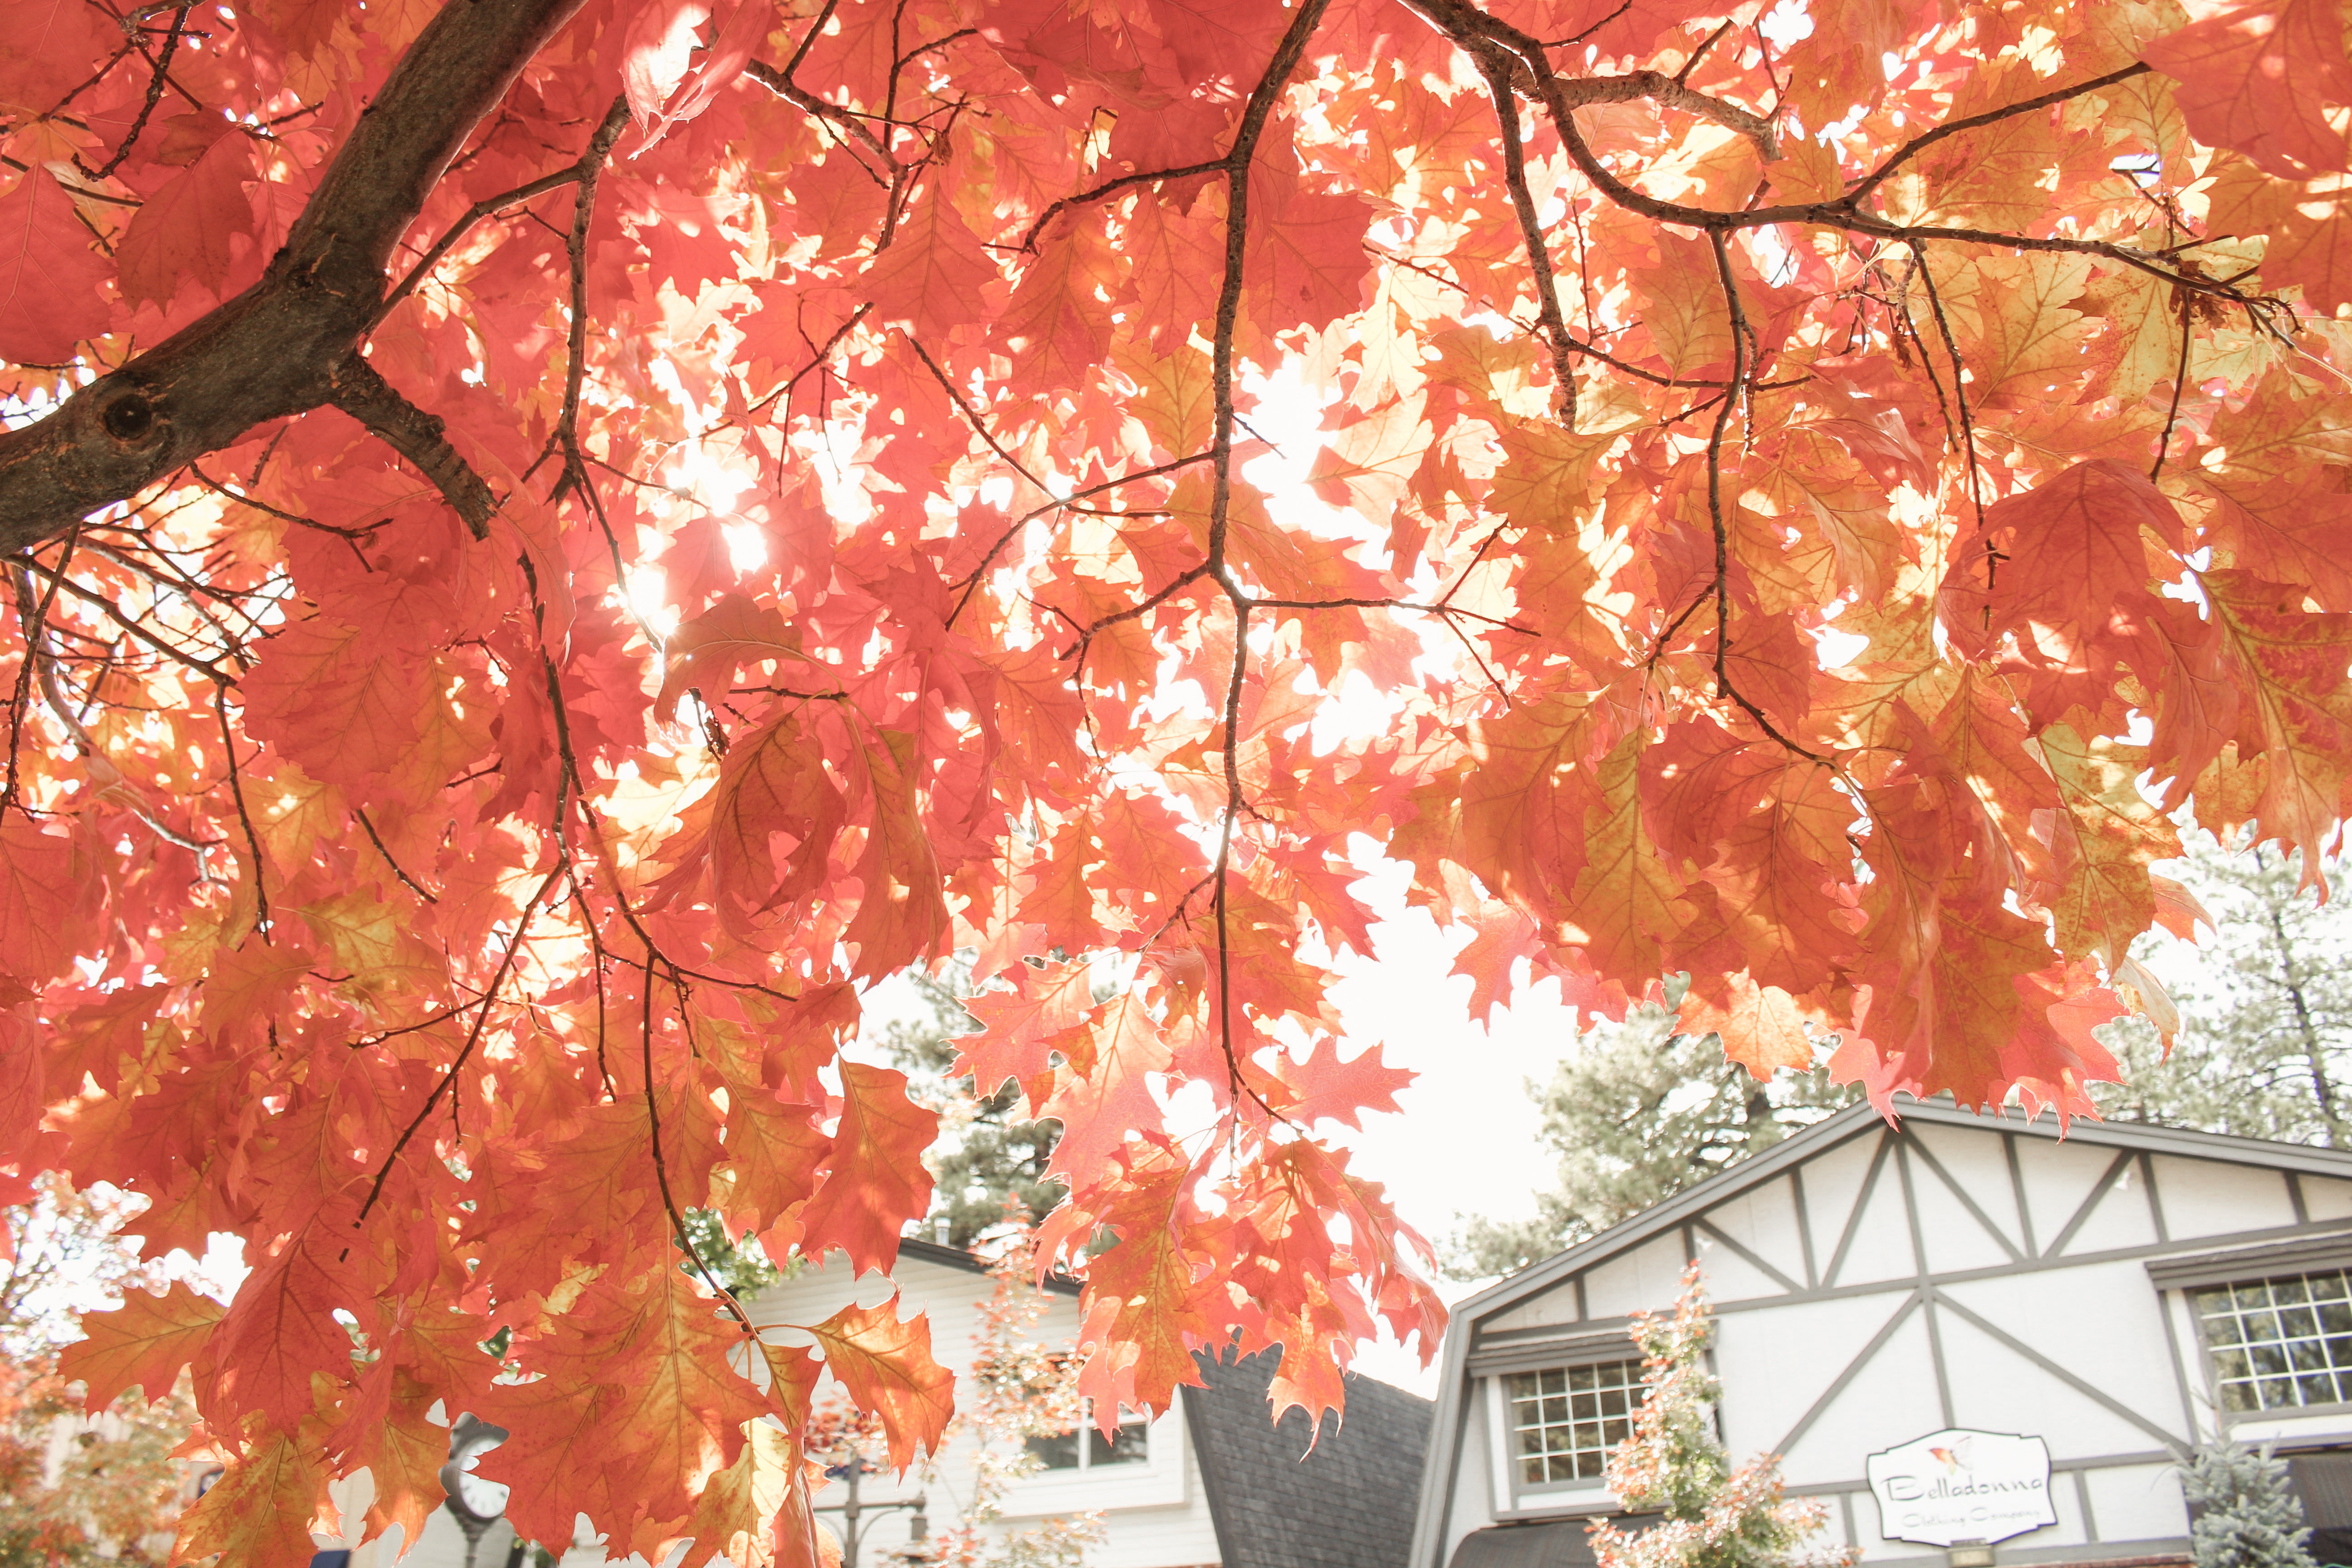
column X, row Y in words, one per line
column 875, row 1181
column 37, row 927
column 710, row 648
column 2260, row 78
column 1760, row 1026
column 50, row 274
column 187, row 231
column 1323, row 1086
column 55, row 46
column 1110, row 475
column 935, row 276
column 261, row 1510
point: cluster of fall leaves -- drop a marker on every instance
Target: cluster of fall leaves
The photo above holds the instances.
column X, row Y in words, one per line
column 1800, row 493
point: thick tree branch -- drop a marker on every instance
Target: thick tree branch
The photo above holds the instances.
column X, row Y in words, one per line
column 273, row 351
column 1531, row 73
column 591, row 172
column 1474, row 30
column 359, row 392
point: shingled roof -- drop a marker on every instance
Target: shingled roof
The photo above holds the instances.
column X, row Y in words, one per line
column 1346, row 1503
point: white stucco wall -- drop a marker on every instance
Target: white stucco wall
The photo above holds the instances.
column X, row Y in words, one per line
column 1872, row 1288
column 1154, row 1514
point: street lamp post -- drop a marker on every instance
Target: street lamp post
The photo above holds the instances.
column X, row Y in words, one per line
column 851, row 1511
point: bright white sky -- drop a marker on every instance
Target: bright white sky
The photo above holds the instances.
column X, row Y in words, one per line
column 1467, row 1142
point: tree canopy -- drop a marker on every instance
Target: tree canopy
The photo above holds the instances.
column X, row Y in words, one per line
column 550, row 542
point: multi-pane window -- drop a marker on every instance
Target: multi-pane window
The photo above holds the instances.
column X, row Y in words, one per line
column 2278, row 1344
column 1565, row 1421
column 1084, row 1447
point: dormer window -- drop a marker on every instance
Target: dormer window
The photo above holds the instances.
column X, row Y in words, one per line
column 1564, row 1420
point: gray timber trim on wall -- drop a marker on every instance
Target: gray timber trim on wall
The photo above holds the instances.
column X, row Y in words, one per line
column 1614, row 1344
column 1855, row 1121
column 2227, row 1265
column 1441, row 1467
column 1474, row 1353
column 2151, row 1253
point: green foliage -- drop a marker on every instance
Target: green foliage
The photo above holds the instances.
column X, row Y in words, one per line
column 2247, row 1515
column 1636, row 1113
column 2265, row 1004
column 1674, row 1465
column 987, row 1152
column 737, row 1263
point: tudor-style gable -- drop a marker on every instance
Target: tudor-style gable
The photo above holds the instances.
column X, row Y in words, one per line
column 1875, row 1283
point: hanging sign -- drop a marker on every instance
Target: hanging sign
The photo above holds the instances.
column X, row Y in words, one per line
column 1957, row 1485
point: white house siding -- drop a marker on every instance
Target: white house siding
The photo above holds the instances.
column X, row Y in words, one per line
column 1155, row 1515
column 1874, row 1285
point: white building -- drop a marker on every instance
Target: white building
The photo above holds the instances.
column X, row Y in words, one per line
column 2118, row 1295
column 1213, row 1483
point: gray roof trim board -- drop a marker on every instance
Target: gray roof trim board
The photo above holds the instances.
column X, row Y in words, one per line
column 2301, row 1256
column 1535, row 1352
column 1856, row 1119
column 1445, row 1442
column 949, row 1256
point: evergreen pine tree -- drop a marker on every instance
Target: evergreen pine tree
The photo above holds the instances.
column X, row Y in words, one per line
column 2247, row 1515
column 987, row 1151
column 2264, row 1001
column 1674, row 1465
column 1638, row 1112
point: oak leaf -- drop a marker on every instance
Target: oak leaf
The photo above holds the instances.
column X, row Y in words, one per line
column 885, row 1364
column 50, row 274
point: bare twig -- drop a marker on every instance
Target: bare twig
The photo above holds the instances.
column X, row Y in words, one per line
column 31, row 626
column 473, row 1035
column 456, row 231
column 377, row 838
column 590, row 171
column 2180, row 383
column 781, row 83
column 1742, row 335
column 1496, row 65
column 1959, row 387
column 155, row 85
column 107, row 607
column 661, row 1167
column 261, row 921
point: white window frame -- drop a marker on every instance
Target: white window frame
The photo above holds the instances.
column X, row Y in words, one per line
column 1159, row 1481
column 1135, row 1419
column 2224, row 1415
column 1514, row 1498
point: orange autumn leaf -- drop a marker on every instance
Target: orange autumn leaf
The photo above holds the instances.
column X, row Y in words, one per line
column 1082, row 493
column 142, row 1344
column 885, row 1364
